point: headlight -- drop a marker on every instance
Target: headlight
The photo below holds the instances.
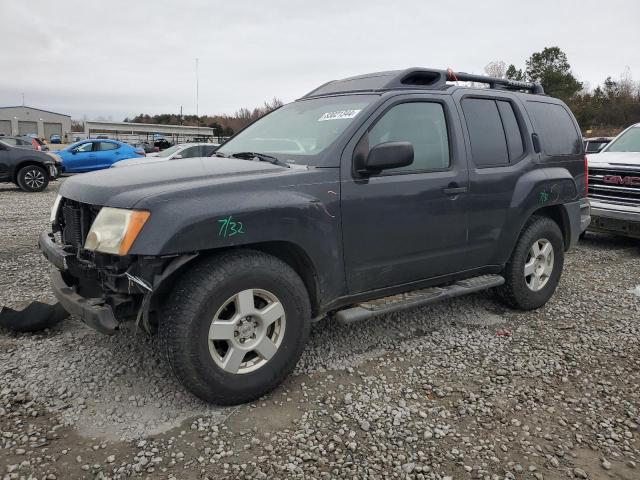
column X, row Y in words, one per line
column 114, row 230
column 54, row 209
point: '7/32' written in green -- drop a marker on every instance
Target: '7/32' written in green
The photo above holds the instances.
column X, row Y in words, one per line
column 229, row 227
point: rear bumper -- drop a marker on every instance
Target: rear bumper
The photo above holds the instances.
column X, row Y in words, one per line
column 613, row 218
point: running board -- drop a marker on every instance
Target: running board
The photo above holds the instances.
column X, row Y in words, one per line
column 417, row 298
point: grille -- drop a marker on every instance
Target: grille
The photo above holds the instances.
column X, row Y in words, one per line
column 76, row 219
column 623, row 186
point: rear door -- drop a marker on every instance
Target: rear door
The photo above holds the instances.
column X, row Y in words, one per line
column 500, row 152
column 107, row 153
column 407, row 224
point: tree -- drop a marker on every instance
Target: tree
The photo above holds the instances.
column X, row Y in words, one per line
column 514, row 74
column 551, row 68
column 496, row 69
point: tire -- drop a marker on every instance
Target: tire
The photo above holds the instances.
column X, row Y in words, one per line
column 528, row 292
column 32, row 178
column 211, row 300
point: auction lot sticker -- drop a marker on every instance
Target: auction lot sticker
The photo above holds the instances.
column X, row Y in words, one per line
column 339, row 115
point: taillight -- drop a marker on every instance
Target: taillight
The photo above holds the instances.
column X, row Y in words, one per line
column 586, row 176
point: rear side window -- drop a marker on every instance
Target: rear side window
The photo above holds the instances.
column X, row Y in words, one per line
column 422, row 124
column 556, row 128
column 494, row 132
column 108, row 146
column 511, row 129
column 488, row 142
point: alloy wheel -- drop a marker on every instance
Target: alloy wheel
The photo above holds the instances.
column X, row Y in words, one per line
column 247, row 331
column 539, row 264
column 34, row 178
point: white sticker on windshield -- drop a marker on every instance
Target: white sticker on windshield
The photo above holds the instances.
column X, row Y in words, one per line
column 339, row 115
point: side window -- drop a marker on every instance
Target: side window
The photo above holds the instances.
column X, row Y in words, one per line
column 84, row 147
column 209, row 150
column 421, row 123
column 555, row 126
column 486, row 134
column 511, row 130
column 104, row 146
column 189, row 152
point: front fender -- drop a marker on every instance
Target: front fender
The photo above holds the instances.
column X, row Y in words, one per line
column 306, row 215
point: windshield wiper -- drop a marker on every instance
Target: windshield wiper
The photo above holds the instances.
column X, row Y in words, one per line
column 263, row 157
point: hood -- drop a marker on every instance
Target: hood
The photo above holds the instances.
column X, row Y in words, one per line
column 631, row 159
column 138, row 161
column 126, row 187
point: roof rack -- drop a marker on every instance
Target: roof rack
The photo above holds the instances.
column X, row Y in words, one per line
column 496, row 83
column 417, row 78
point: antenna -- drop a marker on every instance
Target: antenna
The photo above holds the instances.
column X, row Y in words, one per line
column 23, row 99
column 197, row 97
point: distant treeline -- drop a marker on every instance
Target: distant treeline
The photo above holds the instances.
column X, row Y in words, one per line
column 603, row 110
column 223, row 125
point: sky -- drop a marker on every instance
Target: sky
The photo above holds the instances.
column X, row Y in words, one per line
column 115, row 59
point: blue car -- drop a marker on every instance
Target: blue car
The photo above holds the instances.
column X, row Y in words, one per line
column 94, row 154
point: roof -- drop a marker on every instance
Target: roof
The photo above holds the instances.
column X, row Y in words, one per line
column 37, row 109
column 417, row 79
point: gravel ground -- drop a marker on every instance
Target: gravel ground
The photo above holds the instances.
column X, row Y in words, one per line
column 462, row 389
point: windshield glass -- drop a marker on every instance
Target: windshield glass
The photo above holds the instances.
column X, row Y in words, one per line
column 169, row 151
column 300, row 129
column 629, row 141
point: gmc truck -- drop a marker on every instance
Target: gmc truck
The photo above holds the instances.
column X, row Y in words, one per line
column 614, row 185
column 368, row 195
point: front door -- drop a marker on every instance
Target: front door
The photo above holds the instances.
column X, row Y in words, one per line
column 82, row 158
column 406, row 224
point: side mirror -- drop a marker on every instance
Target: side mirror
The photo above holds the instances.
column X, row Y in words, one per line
column 177, row 157
column 74, row 151
column 389, row 155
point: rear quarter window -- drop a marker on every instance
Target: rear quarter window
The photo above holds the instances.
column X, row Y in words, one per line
column 554, row 125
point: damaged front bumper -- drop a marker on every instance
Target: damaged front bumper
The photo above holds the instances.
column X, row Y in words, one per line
column 104, row 292
column 92, row 311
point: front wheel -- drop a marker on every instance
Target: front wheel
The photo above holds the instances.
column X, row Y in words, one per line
column 533, row 271
column 235, row 326
column 32, row 178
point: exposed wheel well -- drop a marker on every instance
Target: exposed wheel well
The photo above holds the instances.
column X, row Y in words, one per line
column 558, row 215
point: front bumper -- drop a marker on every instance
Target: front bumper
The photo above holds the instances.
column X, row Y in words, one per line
column 615, row 218
column 92, row 311
column 95, row 312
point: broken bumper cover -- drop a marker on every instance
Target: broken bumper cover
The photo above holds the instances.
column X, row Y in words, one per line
column 92, row 311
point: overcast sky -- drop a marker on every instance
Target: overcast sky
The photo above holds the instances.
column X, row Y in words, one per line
column 118, row 58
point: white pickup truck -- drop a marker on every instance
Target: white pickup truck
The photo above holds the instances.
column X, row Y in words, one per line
column 614, row 185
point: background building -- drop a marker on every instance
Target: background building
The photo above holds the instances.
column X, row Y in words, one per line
column 27, row 120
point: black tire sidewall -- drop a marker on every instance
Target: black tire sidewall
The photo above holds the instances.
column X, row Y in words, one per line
column 22, row 173
column 204, row 377
column 523, row 296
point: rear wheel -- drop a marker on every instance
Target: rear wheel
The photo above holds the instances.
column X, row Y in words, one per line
column 32, row 178
column 533, row 272
column 235, row 326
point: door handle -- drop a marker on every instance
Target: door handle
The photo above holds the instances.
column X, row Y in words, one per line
column 454, row 190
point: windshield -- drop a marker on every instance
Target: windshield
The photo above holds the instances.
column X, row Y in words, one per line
column 169, row 151
column 629, row 141
column 300, row 129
